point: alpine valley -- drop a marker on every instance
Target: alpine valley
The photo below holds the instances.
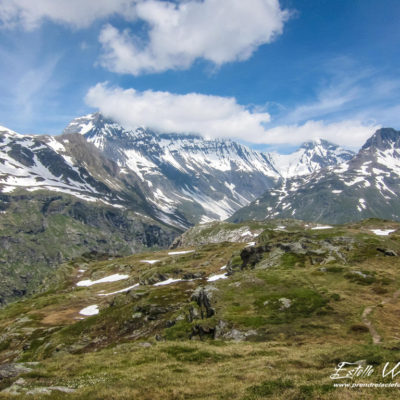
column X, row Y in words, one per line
column 130, row 189
column 137, row 264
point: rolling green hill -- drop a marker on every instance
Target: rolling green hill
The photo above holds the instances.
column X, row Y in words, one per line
column 270, row 318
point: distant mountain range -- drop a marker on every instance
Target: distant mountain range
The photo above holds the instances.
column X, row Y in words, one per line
column 367, row 185
column 179, row 180
column 310, row 157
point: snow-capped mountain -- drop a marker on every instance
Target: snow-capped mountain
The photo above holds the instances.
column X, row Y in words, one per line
column 177, row 179
column 310, row 157
column 366, row 186
column 202, row 179
column 68, row 164
column 50, row 163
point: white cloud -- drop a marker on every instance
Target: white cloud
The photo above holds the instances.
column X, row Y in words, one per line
column 219, row 31
column 214, row 117
column 78, row 13
column 177, row 32
column 347, row 133
column 211, row 116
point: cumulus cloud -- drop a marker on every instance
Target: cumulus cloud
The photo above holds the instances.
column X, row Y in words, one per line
column 214, row 117
column 219, row 31
column 78, row 13
column 177, row 32
column 211, row 116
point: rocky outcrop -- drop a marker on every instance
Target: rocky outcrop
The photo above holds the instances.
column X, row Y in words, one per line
column 12, row 370
column 299, row 249
column 203, row 297
column 217, row 232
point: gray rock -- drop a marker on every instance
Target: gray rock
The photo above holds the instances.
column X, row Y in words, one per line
column 387, row 252
column 328, row 260
column 203, row 297
column 180, row 317
column 285, row 303
column 13, row 369
column 145, row 344
column 13, row 390
column 194, row 313
column 220, row 329
column 235, row 335
column 39, row 390
column 63, row 389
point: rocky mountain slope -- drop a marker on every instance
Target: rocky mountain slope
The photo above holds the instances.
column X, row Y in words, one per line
column 366, row 186
column 205, row 179
column 294, row 303
column 41, row 230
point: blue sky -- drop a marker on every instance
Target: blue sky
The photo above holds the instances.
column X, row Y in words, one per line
column 269, row 73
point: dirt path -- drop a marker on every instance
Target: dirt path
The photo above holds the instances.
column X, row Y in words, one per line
column 376, row 338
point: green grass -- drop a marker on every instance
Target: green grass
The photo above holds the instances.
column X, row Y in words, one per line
column 269, row 388
column 181, row 370
column 297, row 318
column 289, row 260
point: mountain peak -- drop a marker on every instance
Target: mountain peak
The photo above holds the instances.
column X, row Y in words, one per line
column 310, row 157
column 318, row 142
column 87, row 123
column 383, row 138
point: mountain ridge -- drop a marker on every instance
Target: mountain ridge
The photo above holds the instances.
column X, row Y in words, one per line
column 365, row 186
column 213, row 178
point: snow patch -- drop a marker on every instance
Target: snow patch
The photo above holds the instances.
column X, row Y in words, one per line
column 8, row 189
column 110, row 278
column 358, row 179
column 90, row 310
column 167, row 282
column 150, row 261
column 174, row 253
column 214, row 278
column 56, row 145
column 382, row 232
column 119, row 291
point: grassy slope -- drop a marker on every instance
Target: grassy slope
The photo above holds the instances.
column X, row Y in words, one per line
column 289, row 352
